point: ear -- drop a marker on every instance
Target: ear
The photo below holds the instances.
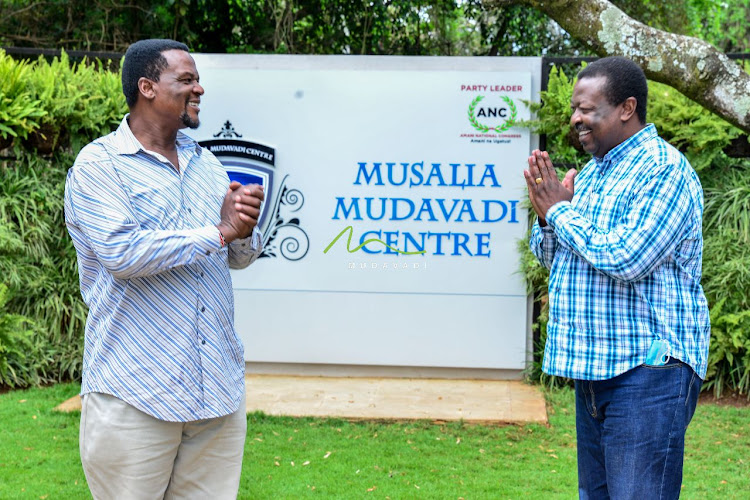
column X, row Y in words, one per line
column 628, row 109
column 146, row 88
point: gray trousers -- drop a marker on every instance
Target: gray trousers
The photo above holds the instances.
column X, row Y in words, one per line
column 127, row 454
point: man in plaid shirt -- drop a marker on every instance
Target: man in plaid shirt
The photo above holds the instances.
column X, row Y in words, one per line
column 628, row 319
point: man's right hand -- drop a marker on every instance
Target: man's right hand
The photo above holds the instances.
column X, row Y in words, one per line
column 240, row 210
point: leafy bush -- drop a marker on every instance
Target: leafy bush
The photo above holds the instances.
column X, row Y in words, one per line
column 702, row 136
column 39, row 263
column 71, row 104
column 729, row 358
column 19, row 113
column 79, row 101
column 18, row 352
column 698, row 133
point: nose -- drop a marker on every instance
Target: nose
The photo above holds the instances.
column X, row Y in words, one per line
column 198, row 89
column 575, row 118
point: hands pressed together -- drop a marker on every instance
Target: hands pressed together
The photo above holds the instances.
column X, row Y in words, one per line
column 240, row 210
column 545, row 189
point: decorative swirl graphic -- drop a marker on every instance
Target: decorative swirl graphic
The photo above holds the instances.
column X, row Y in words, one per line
column 286, row 236
column 293, row 198
column 295, row 246
column 371, row 240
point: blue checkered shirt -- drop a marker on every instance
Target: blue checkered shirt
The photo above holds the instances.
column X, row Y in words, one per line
column 160, row 330
column 625, row 263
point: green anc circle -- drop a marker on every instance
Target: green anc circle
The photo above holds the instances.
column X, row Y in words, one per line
column 486, row 128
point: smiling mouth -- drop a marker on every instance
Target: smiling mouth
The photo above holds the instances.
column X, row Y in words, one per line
column 583, row 133
column 194, row 105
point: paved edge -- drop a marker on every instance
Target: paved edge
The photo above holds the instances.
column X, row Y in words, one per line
column 389, row 399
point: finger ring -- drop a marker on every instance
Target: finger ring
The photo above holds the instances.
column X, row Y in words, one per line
column 538, row 180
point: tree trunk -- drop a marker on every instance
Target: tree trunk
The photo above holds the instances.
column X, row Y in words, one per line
column 690, row 65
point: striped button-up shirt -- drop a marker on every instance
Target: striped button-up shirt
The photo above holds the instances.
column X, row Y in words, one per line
column 625, row 263
column 160, row 330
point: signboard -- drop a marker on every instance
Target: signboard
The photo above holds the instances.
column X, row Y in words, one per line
column 393, row 207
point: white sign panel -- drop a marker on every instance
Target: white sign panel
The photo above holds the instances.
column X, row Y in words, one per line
column 393, row 208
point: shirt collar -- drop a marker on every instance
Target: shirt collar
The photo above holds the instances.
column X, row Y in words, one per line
column 615, row 154
column 126, row 143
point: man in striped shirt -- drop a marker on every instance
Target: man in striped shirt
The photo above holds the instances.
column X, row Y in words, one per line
column 156, row 225
column 628, row 320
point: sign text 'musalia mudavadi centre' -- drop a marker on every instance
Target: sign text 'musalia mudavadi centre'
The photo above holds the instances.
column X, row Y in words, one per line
column 471, row 212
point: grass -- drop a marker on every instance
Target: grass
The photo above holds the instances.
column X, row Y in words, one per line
column 290, row 458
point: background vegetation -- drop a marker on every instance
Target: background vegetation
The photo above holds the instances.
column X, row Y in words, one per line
column 415, row 27
column 50, row 108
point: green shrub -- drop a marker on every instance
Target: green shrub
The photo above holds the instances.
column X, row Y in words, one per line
column 698, row 133
column 729, row 358
column 76, row 103
column 81, row 101
column 19, row 357
column 19, row 113
column 553, row 119
column 38, row 261
column 702, row 136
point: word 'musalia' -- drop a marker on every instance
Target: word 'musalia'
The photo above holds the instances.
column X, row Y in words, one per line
column 415, row 174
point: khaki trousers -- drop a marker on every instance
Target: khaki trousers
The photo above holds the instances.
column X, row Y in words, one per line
column 127, row 454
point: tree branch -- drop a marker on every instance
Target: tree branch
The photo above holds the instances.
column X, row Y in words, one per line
column 692, row 66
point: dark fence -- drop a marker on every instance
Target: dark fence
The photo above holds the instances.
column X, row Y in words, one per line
column 29, row 53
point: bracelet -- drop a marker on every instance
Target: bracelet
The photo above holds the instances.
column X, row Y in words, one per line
column 221, row 238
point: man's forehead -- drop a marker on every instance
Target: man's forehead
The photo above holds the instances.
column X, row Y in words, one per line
column 179, row 60
column 592, row 86
column 592, row 82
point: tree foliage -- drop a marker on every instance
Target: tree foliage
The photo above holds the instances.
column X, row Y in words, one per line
column 416, row 27
column 436, row 27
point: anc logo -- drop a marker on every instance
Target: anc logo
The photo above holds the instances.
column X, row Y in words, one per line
column 506, row 115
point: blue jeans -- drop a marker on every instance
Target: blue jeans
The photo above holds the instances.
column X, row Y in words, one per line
column 631, row 431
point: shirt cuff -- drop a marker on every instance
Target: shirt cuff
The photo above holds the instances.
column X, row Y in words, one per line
column 208, row 240
column 252, row 242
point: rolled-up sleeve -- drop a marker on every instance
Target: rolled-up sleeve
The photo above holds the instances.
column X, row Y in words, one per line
column 245, row 251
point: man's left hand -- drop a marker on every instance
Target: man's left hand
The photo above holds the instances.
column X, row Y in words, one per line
column 247, row 201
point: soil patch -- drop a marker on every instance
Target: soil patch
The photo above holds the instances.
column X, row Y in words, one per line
column 728, row 398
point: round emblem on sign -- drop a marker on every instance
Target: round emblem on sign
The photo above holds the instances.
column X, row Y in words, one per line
column 502, row 127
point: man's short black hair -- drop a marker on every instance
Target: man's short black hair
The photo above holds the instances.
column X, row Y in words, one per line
column 624, row 79
column 144, row 59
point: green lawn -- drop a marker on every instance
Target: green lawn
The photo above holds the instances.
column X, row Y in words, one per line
column 299, row 458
